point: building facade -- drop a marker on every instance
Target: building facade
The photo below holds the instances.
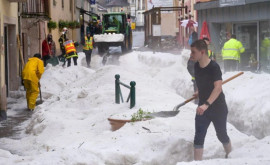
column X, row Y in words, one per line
column 248, row 19
column 137, row 8
column 9, row 57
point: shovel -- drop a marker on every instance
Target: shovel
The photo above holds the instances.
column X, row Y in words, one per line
column 175, row 110
column 41, row 101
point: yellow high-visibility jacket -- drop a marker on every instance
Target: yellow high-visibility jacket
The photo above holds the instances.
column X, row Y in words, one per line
column 88, row 45
column 33, row 70
column 232, row 50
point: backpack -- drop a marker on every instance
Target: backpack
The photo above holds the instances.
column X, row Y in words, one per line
column 190, row 40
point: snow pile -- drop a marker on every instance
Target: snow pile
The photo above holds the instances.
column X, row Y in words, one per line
column 110, row 37
column 71, row 126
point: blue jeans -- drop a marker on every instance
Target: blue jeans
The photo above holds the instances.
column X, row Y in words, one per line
column 202, row 122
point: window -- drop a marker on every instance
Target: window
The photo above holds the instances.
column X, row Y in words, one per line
column 75, row 4
column 54, row 2
column 62, row 4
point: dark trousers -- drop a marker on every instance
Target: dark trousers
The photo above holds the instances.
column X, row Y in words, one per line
column 74, row 60
column 202, row 122
column 45, row 58
column 231, row 65
column 88, row 56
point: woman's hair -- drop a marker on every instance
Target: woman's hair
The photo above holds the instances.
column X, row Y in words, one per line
column 200, row 45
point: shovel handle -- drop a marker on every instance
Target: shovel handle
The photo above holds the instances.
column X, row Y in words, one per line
column 225, row 81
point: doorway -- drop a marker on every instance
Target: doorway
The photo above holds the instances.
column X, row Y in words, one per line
column 6, row 58
column 247, row 34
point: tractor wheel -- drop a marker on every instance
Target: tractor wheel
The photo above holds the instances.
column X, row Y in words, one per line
column 100, row 49
column 124, row 46
column 130, row 40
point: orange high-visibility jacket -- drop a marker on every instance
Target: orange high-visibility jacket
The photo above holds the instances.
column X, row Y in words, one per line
column 70, row 49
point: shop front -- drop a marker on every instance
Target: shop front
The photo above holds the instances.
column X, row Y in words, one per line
column 248, row 20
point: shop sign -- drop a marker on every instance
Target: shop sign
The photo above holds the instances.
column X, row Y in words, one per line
column 224, row 3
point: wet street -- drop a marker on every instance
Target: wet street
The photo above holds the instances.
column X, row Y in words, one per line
column 11, row 127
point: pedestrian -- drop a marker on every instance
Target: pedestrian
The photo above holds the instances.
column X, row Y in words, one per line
column 211, row 53
column 88, row 47
column 193, row 36
column 231, row 54
column 190, row 68
column 31, row 75
column 48, row 49
column 212, row 105
column 70, row 51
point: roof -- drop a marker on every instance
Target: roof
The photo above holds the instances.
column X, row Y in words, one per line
column 116, row 3
column 101, row 2
column 216, row 4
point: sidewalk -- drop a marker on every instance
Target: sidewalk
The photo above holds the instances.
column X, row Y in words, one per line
column 16, row 114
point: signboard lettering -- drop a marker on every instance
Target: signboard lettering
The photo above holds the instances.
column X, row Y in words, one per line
column 224, row 3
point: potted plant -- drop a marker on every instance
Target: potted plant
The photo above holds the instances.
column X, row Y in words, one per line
column 51, row 25
column 140, row 115
column 73, row 24
column 62, row 24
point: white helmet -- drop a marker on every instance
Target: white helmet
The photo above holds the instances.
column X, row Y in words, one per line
column 65, row 29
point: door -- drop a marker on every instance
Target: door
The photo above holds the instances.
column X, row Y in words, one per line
column 247, row 34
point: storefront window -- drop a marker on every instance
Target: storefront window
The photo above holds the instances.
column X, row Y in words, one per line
column 246, row 33
column 265, row 46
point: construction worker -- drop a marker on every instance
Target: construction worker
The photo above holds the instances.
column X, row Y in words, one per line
column 88, row 47
column 61, row 41
column 211, row 54
column 70, row 51
column 212, row 104
column 115, row 21
column 231, row 54
column 265, row 53
column 31, row 75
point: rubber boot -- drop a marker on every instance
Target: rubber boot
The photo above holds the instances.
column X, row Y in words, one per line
column 227, row 149
column 198, row 153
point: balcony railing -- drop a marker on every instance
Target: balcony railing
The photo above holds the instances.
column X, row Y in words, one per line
column 17, row 0
column 35, row 9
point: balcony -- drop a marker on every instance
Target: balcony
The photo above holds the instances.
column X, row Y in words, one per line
column 36, row 9
column 17, row 0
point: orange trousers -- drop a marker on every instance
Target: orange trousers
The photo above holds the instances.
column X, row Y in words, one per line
column 32, row 92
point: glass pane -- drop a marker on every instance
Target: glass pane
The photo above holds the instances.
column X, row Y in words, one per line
column 265, row 46
column 247, row 35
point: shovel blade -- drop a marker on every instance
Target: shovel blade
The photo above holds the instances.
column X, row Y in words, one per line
column 164, row 114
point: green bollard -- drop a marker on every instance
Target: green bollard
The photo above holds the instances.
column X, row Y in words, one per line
column 117, row 89
column 132, row 94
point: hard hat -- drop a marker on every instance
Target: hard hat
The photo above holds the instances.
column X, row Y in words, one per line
column 65, row 29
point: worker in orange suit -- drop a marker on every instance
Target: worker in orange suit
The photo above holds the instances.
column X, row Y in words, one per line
column 31, row 75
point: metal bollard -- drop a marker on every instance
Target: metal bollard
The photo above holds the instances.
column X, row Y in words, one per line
column 132, row 94
column 117, row 89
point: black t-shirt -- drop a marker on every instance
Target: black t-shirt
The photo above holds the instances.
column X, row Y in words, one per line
column 205, row 78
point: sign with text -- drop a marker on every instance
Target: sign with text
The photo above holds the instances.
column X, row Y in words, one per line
column 159, row 3
column 224, row 3
column 156, row 30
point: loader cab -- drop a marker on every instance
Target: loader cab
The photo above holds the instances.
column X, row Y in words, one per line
column 114, row 23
